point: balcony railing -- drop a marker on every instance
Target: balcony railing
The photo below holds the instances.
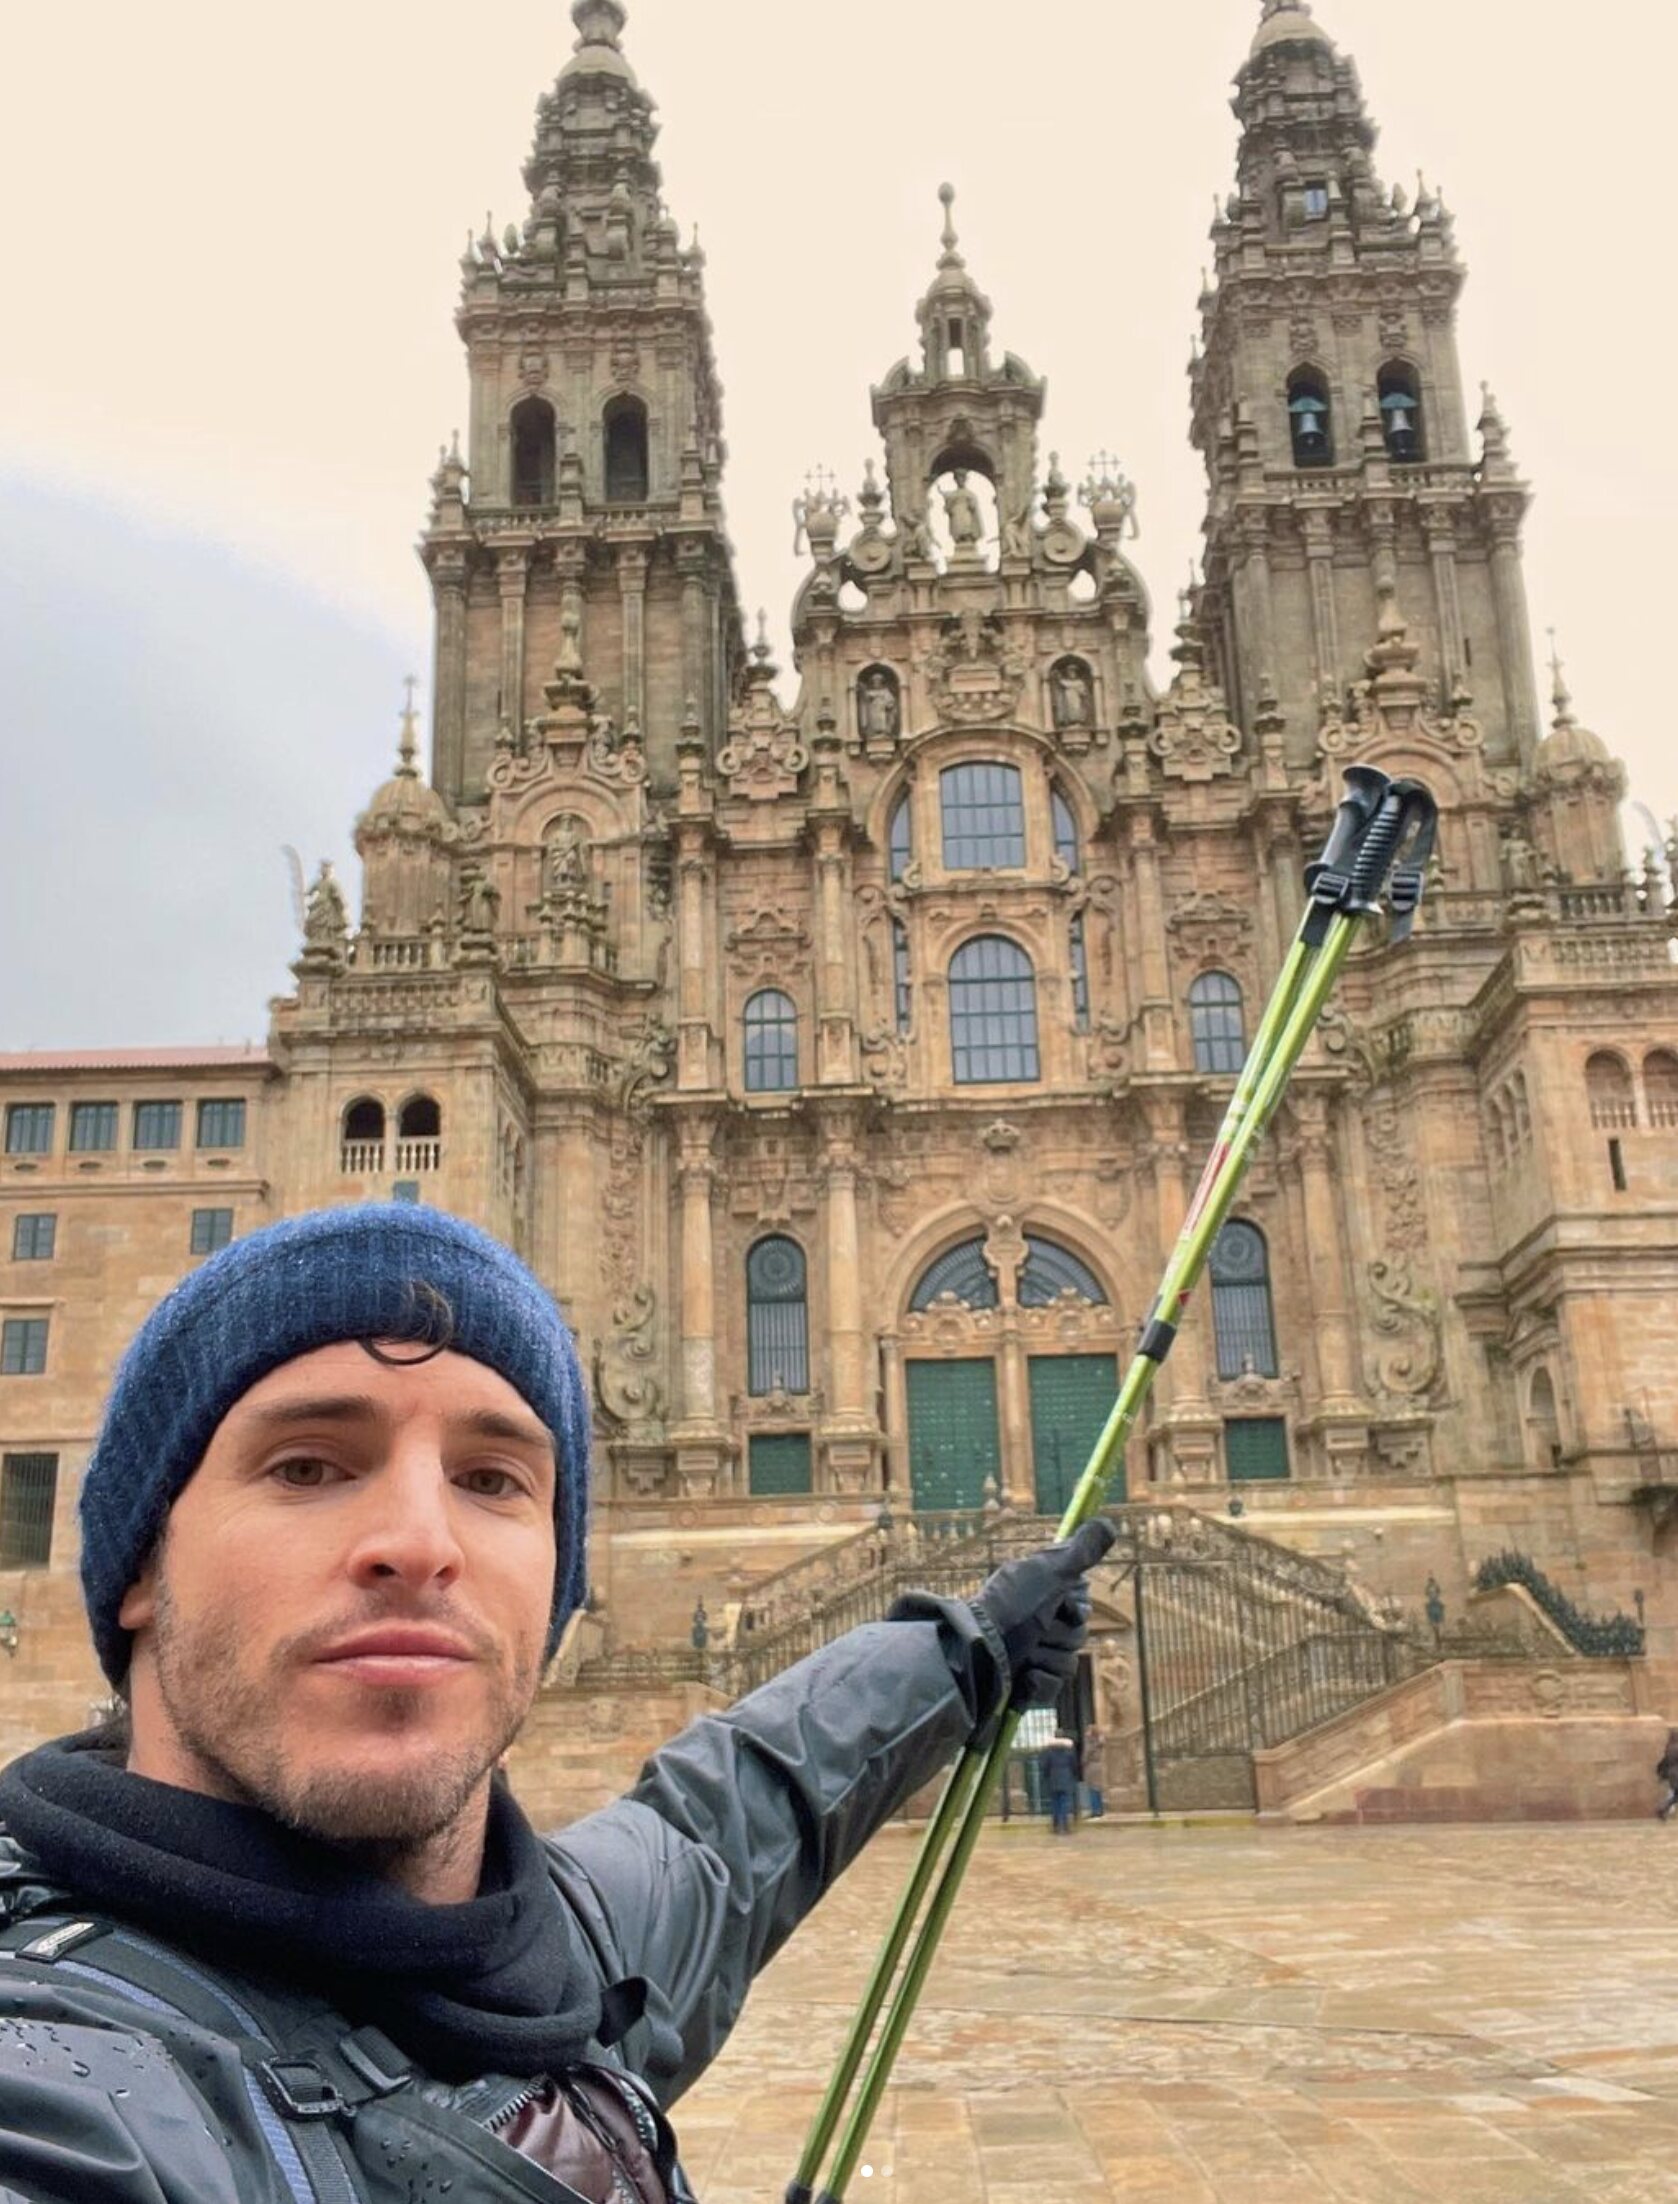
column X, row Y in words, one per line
column 362, row 1158
column 419, row 1155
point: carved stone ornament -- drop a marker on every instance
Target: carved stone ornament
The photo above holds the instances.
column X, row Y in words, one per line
column 1394, row 703
column 1406, row 1315
column 1193, row 737
column 1210, row 928
column 767, row 947
column 651, row 1058
column 626, row 1387
column 763, row 755
column 975, row 671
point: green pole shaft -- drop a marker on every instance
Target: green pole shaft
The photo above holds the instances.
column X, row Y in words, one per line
column 1303, row 986
column 944, row 1821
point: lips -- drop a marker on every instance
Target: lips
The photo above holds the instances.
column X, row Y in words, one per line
column 398, row 1643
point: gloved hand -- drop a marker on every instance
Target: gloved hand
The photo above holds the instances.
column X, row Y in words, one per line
column 1037, row 1610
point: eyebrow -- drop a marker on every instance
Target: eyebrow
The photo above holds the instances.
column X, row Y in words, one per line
column 481, row 1423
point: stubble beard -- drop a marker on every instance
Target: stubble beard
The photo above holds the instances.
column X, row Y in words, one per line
column 226, row 1718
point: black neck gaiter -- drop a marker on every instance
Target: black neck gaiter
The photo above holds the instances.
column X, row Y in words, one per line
column 504, row 1983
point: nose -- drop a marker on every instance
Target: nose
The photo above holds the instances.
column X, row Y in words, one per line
column 407, row 1532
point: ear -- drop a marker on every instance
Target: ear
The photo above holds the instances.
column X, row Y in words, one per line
column 139, row 1602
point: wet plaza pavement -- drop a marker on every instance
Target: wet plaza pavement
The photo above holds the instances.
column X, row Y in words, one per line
column 1177, row 2015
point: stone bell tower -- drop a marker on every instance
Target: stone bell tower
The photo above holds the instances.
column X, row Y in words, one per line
column 1327, row 402
column 584, row 520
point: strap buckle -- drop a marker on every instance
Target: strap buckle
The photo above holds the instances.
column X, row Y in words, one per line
column 300, row 2089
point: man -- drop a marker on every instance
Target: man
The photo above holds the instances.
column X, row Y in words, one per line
column 286, row 1935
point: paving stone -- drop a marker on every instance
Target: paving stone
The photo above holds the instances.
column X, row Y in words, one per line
column 1149, row 2017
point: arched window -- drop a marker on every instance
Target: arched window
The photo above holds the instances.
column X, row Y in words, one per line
column 984, row 816
column 1660, row 1088
column 419, row 1134
column 1399, row 395
column 1310, row 423
column 771, row 1042
column 777, row 1319
column 1050, row 1270
column 961, row 1270
column 364, row 1119
column 1243, row 1323
column 625, row 428
column 900, row 974
column 1543, row 1424
column 1080, row 978
column 1612, row 1097
column 532, row 426
column 993, row 1012
column 1215, row 1023
column 900, row 837
column 1066, row 830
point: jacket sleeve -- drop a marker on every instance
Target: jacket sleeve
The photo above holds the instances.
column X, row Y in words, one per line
column 90, row 2112
column 739, row 1824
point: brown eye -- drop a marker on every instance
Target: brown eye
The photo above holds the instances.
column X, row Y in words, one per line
column 502, row 1486
column 302, row 1472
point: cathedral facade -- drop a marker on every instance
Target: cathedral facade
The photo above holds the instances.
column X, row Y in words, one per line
column 845, row 1067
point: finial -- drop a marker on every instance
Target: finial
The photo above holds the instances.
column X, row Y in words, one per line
column 760, row 649
column 599, row 22
column 951, row 258
column 1559, row 695
column 408, row 746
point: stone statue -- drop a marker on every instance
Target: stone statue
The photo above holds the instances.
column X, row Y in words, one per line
column 964, row 514
column 1018, row 539
column 1520, row 864
column 566, row 869
column 913, row 535
column 326, row 921
column 480, row 900
column 877, row 705
column 1070, row 689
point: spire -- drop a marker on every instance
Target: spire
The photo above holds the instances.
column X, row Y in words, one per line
column 949, row 258
column 1559, row 696
column 407, row 757
column 955, row 313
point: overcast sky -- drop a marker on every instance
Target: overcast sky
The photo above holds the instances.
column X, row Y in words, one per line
column 230, row 359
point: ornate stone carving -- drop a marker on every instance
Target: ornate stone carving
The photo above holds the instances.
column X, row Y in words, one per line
column 626, row 1387
column 1193, row 737
column 1407, row 1315
column 975, row 671
column 651, row 1057
column 1209, row 928
column 763, row 755
column 769, row 946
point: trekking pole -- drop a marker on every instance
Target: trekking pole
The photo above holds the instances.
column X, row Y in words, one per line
column 1383, row 828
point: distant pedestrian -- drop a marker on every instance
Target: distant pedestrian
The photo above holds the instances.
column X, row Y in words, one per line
column 1094, row 1754
column 1666, row 1767
column 1060, row 1772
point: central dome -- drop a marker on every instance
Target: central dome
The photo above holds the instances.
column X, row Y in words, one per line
column 1290, row 24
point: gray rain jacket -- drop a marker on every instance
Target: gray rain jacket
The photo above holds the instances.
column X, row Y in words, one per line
column 130, row 2074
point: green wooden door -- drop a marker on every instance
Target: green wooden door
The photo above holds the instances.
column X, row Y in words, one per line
column 1256, row 1449
column 1071, row 1398
column 954, row 1442
column 779, row 1461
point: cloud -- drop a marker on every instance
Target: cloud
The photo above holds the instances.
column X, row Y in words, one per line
column 171, row 713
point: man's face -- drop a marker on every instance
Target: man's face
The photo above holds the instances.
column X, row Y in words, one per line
column 345, row 1621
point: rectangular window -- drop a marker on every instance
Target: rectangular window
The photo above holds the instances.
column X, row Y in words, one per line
column 29, row 1128
column 221, row 1124
column 1316, row 201
column 93, row 1127
column 1617, row 1166
column 983, row 808
column 779, row 1461
column 211, row 1228
column 34, row 1238
column 1256, row 1450
column 405, row 1190
column 23, row 1346
column 28, row 1489
column 157, row 1124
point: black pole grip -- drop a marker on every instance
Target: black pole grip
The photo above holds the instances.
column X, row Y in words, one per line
column 1380, row 847
column 1365, row 789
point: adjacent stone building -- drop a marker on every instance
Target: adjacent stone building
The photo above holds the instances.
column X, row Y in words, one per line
column 845, row 1067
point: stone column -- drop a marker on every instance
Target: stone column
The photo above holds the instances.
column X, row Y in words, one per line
column 1159, row 1050
column 850, row 1436
column 448, row 679
column 1332, row 1322
column 1325, row 618
column 690, row 561
column 699, row 1438
column 632, row 589
column 1013, row 1414
column 1514, row 636
column 897, row 1422
column 835, row 1026
column 1187, row 1442
column 1440, row 527
column 1260, row 664
column 512, row 574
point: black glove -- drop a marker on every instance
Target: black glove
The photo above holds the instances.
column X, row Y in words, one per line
column 1035, row 1612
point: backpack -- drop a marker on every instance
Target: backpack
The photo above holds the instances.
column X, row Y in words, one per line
column 341, row 2111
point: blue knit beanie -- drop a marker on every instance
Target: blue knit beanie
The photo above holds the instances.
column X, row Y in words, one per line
column 352, row 1273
